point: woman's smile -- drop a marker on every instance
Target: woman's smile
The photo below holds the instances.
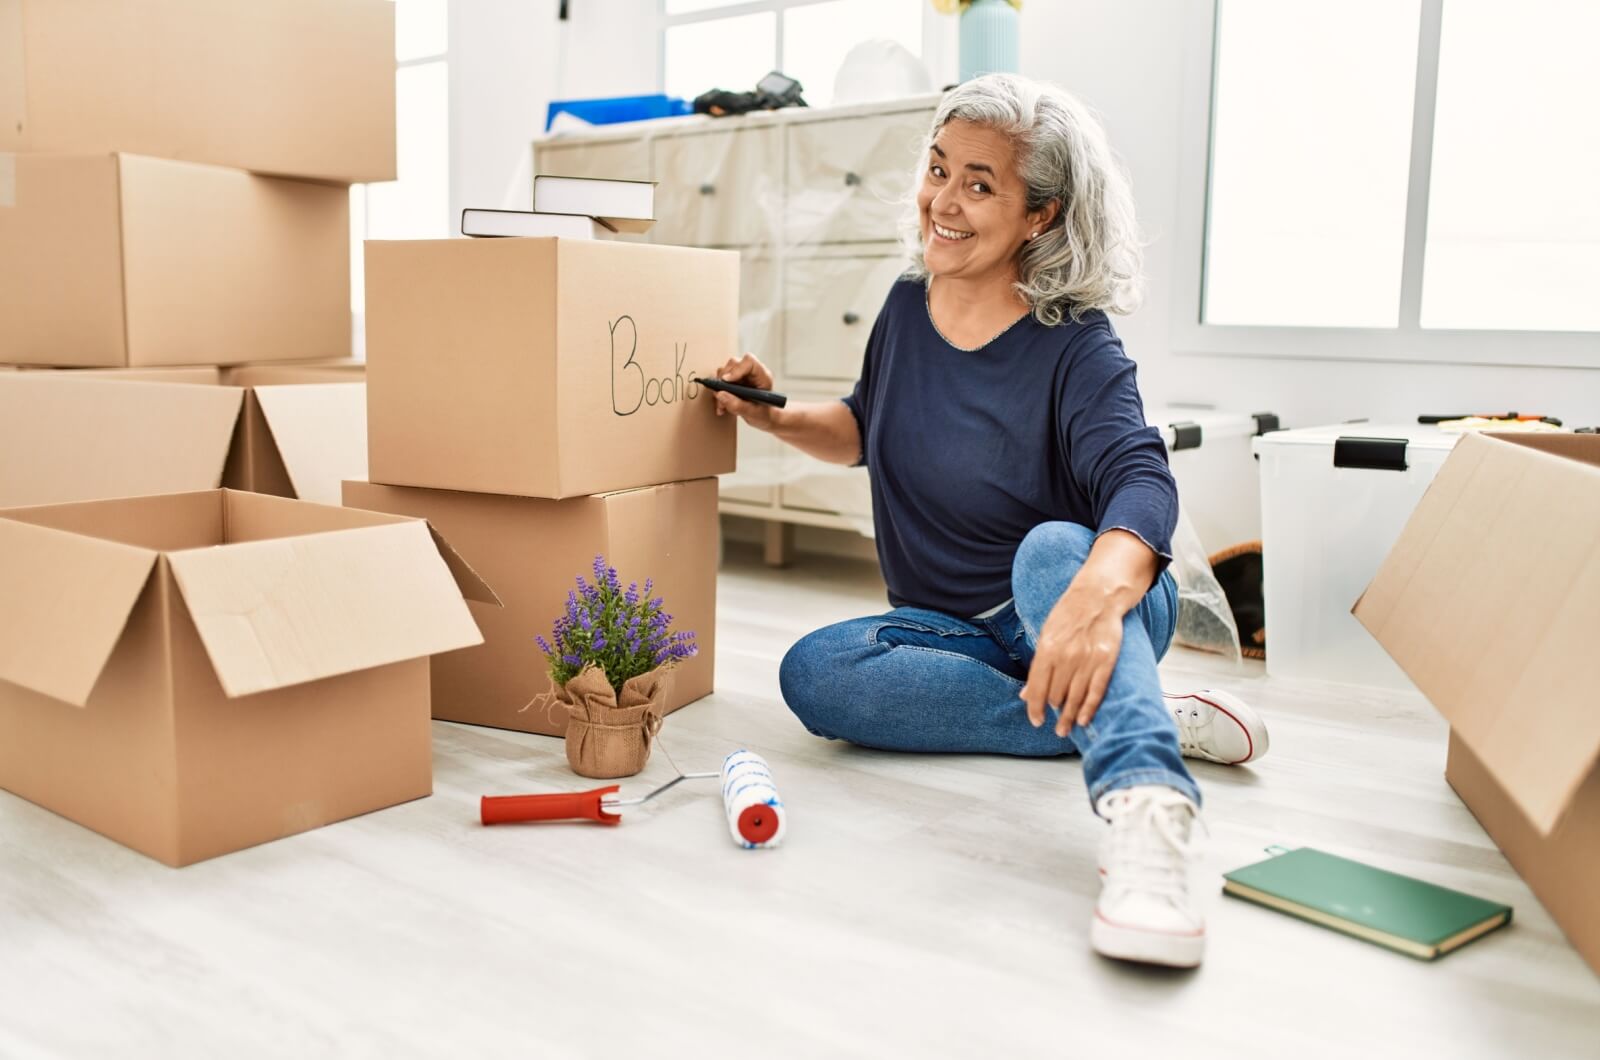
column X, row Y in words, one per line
column 952, row 235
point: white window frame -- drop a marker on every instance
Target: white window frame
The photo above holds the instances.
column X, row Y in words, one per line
column 450, row 134
column 938, row 39
column 358, row 310
column 1408, row 342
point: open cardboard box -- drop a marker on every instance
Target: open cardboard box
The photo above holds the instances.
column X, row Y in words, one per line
column 196, row 673
column 115, row 260
column 531, row 550
column 546, row 367
column 301, row 88
column 82, row 435
column 1490, row 602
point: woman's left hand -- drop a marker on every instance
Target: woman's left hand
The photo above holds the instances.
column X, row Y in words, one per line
column 1082, row 636
column 1072, row 664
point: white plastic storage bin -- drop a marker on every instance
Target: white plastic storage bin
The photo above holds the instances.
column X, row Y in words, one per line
column 1218, row 486
column 1333, row 501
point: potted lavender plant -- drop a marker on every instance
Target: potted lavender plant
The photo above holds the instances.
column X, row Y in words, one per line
column 611, row 655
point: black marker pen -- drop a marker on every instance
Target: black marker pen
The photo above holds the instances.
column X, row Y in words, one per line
column 749, row 393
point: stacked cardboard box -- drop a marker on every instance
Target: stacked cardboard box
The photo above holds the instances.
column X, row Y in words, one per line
column 86, row 434
column 173, row 176
column 534, row 400
column 173, row 192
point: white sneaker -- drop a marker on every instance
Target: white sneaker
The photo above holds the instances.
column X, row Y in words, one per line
column 1145, row 912
column 1217, row 726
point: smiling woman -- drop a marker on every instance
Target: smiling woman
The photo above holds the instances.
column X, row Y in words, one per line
column 1024, row 511
column 1033, row 146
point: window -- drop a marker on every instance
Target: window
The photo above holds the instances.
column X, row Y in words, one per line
column 1310, row 144
column 417, row 205
column 1392, row 179
column 731, row 53
column 1513, row 214
column 717, row 44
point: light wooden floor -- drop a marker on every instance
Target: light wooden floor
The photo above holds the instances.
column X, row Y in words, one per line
column 922, row 906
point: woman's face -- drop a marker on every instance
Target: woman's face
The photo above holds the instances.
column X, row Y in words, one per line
column 973, row 204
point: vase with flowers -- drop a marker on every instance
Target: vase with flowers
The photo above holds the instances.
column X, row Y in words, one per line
column 610, row 655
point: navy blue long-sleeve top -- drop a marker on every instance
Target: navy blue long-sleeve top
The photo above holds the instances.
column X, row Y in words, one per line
column 968, row 450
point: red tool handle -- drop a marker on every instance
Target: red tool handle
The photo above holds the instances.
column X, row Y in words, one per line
column 574, row 806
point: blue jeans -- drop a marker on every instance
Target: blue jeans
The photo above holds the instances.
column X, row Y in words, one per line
column 918, row 680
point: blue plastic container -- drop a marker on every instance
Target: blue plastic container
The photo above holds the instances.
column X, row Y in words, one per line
column 618, row 108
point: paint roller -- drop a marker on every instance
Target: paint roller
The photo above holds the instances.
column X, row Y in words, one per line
column 749, row 799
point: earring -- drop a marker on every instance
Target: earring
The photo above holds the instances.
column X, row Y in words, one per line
column 1034, row 235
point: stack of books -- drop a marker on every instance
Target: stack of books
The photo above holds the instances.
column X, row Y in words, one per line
column 571, row 208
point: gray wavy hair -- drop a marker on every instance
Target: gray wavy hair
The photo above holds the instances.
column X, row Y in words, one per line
column 1090, row 256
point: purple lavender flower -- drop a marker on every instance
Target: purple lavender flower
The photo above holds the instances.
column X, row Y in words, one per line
column 630, row 627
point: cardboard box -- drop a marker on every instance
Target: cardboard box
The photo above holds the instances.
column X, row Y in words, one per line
column 197, row 673
column 1561, row 867
column 1490, row 602
column 301, row 88
column 205, row 375
column 299, row 440
column 126, row 261
column 531, row 550
column 71, row 436
column 546, row 367
column 348, row 370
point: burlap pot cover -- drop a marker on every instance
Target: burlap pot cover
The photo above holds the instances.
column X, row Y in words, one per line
column 607, row 738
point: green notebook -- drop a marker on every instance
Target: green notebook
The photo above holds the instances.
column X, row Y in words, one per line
column 1396, row 911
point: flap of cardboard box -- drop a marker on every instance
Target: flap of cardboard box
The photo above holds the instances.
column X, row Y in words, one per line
column 283, row 611
column 206, row 375
column 467, row 580
column 72, row 438
column 64, row 599
column 349, row 370
column 1490, row 600
column 321, row 433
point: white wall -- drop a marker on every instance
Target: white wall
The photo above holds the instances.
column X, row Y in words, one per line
column 510, row 58
column 1125, row 58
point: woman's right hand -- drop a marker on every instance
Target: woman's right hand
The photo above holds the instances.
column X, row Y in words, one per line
column 750, row 372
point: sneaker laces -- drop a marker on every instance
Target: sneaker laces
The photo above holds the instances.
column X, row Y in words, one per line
column 1151, row 841
column 1191, row 728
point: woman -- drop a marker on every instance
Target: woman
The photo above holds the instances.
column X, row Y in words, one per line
column 1023, row 509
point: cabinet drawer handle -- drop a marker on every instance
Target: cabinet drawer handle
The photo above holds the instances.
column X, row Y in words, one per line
column 851, row 318
column 851, row 180
column 708, row 189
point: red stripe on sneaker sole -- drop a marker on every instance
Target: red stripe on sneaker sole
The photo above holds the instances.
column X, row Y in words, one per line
column 1149, row 931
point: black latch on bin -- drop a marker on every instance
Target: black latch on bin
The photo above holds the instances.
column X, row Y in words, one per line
column 1266, row 421
column 1377, row 454
column 1185, row 435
